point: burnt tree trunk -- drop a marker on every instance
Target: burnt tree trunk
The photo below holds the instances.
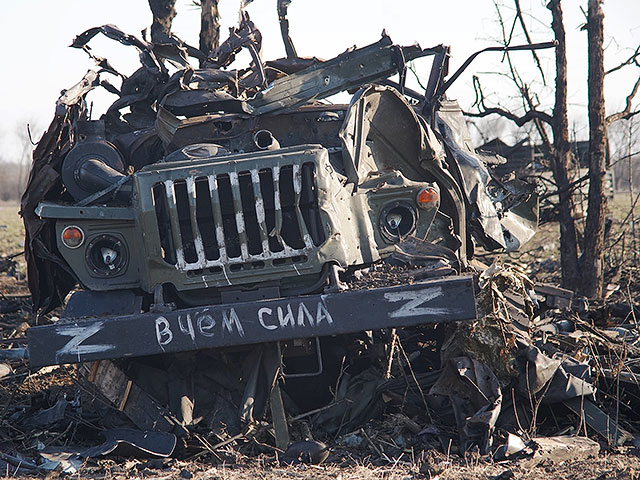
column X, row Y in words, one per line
column 163, row 12
column 561, row 156
column 209, row 26
column 591, row 264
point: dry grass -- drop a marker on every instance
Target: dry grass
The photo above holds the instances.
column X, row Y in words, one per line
column 611, row 466
column 11, row 229
column 11, row 242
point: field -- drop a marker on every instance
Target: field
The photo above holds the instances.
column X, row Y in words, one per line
column 11, row 242
column 24, row 390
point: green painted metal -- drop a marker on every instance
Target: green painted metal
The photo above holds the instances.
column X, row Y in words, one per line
column 350, row 223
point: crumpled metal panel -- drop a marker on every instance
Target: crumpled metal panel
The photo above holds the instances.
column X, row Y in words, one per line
column 381, row 131
column 382, row 117
column 493, row 225
column 348, row 70
column 50, row 280
column 476, row 398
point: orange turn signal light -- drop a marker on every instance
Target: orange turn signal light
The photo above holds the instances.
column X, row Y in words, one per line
column 427, row 197
column 72, row 236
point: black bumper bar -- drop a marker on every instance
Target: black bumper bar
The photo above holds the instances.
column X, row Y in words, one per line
column 88, row 339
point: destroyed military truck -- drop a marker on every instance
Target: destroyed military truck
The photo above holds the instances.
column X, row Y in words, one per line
column 220, row 210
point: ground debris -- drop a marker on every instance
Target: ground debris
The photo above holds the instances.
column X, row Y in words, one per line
column 393, row 421
column 560, row 449
column 410, row 404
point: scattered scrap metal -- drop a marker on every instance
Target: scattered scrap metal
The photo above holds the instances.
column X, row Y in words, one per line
column 261, row 270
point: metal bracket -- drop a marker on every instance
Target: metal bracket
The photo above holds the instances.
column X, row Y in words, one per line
column 306, row 374
column 159, row 305
column 335, row 285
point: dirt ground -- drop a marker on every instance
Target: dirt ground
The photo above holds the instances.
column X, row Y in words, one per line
column 26, row 390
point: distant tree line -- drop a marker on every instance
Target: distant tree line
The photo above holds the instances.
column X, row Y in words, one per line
column 14, row 168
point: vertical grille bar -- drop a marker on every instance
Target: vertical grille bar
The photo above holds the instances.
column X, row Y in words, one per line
column 267, row 191
column 260, row 213
column 217, row 216
column 297, row 190
column 175, row 223
column 206, row 222
column 277, row 207
column 165, row 233
column 309, row 204
column 237, row 207
column 197, row 237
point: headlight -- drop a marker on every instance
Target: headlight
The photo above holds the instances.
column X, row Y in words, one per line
column 398, row 220
column 107, row 255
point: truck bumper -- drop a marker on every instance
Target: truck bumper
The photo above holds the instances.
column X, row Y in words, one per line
column 88, row 339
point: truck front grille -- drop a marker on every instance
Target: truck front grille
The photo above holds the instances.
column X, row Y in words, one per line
column 250, row 218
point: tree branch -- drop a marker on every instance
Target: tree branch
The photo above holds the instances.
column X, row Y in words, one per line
column 626, row 113
column 528, row 37
column 570, row 187
column 483, row 110
column 632, row 59
column 520, row 121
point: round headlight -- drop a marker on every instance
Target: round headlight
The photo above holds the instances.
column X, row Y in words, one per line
column 398, row 220
column 107, row 255
column 72, row 236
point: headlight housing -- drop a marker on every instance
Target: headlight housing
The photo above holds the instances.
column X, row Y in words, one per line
column 107, row 255
column 397, row 220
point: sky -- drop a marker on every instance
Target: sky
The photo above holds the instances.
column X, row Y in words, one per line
column 38, row 64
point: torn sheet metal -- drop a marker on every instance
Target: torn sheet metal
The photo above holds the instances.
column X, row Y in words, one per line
column 551, row 377
column 245, row 35
column 348, row 70
column 357, row 401
column 147, row 56
column 476, row 398
column 372, row 142
column 499, row 216
column 283, row 6
column 121, row 442
column 381, row 125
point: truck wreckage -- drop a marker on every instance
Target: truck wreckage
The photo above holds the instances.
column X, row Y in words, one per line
column 241, row 243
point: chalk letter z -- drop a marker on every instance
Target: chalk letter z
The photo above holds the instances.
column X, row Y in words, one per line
column 80, row 334
column 414, row 301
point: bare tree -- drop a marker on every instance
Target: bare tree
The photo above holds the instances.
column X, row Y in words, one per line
column 163, row 13
column 556, row 141
column 561, row 154
column 591, row 261
column 624, row 140
column 16, row 168
column 631, row 192
column 583, row 273
column 209, row 26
